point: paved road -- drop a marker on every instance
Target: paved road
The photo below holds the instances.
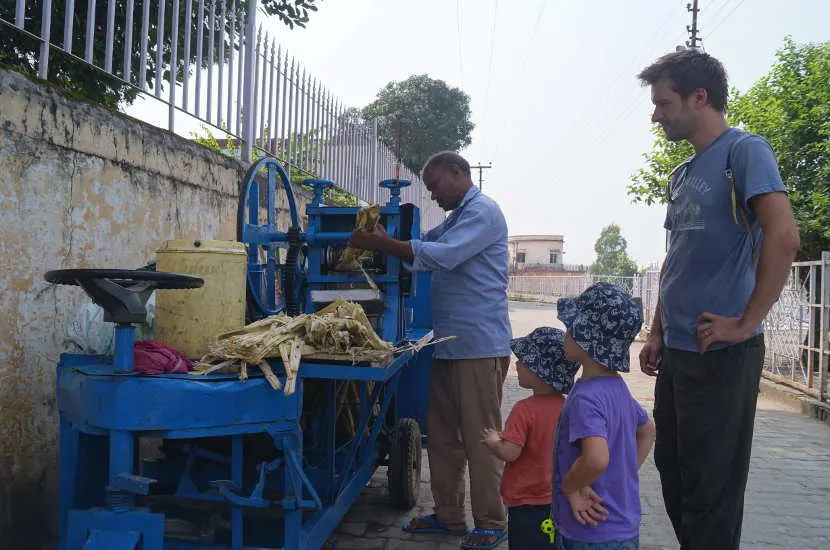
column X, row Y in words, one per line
column 787, row 500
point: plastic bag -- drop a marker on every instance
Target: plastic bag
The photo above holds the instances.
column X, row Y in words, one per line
column 89, row 334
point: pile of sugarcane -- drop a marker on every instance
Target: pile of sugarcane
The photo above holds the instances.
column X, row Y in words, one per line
column 340, row 330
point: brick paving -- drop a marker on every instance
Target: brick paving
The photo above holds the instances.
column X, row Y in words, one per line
column 787, row 500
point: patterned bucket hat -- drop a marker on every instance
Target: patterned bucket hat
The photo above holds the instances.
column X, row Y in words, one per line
column 542, row 351
column 603, row 320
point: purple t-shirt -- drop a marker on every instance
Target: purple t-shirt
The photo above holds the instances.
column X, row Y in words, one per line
column 602, row 407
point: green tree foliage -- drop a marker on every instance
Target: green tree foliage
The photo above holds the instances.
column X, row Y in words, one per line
column 790, row 107
column 612, row 254
column 432, row 117
column 21, row 52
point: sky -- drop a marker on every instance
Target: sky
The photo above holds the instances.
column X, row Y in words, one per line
column 555, row 100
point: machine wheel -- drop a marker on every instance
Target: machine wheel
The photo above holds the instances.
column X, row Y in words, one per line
column 404, row 473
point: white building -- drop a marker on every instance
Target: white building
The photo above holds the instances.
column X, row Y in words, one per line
column 539, row 255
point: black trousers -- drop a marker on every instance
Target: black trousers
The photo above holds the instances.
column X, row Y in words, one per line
column 524, row 527
column 704, row 410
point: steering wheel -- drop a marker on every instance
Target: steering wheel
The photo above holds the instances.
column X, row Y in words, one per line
column 264, row 239
column 121, row 292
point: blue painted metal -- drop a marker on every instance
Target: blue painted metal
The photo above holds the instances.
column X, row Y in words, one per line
column 319, row 186
column 395, row 186
column 123, row 360
column 240, row 446
column 262, row 277
column 107, row 530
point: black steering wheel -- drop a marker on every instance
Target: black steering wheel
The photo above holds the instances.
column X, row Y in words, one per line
column 122, row 293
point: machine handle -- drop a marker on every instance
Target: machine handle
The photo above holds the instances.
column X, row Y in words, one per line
column 122, row 293
column 320, row 186
column 124, row 278
column 395, row 185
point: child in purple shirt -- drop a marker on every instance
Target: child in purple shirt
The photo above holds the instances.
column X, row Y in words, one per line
column 604, row 435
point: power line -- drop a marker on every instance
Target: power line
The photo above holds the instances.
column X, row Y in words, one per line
column 524, row 67
column 490, row 68
column 458, row 32
column 738, row 5
column 718, row 11
column 672, row 17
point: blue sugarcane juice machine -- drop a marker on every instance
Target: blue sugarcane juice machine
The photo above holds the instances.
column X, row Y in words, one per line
column 236, row 464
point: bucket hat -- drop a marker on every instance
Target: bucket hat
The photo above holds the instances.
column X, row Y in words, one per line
column 543, row 352
column 603, row 321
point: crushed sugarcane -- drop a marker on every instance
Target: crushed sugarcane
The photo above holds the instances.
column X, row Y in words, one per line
column 339, row 330
column 352, row 259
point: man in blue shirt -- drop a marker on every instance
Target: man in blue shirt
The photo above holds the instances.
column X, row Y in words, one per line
column 467, row 255
column 732, row 241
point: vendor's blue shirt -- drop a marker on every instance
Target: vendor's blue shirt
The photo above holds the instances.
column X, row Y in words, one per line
column 709, row 265
column 467, row 254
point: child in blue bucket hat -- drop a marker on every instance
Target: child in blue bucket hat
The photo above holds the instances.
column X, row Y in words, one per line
column 526, row 444
column 604, row 435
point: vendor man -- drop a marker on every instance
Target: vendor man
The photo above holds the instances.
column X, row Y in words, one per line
column 467, row 254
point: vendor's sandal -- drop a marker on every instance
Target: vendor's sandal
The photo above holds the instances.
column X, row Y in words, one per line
column 483, row 539
column 430, row 525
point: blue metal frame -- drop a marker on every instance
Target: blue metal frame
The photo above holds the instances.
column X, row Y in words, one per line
column 257, row 233
column 310, row 473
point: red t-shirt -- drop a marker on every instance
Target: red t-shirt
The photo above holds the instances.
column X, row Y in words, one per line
column 531, row 425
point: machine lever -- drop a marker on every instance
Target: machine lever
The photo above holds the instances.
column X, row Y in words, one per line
column 226, row 488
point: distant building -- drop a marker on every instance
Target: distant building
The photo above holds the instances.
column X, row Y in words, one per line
column 540, row 255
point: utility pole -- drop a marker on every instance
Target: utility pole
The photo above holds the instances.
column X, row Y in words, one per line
column 480, row 169
column 693, row 30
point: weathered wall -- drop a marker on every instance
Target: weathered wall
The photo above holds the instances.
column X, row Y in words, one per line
column 80, row 187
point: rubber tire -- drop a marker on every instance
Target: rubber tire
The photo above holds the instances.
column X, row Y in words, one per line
column 404, row 472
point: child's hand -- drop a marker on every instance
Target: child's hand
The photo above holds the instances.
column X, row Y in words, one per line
column 586, row 507
column 489, row 436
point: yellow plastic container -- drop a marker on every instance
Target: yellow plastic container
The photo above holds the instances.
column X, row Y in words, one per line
column 190, row 320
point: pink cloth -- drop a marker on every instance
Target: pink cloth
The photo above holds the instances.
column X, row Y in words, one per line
column 153, row 357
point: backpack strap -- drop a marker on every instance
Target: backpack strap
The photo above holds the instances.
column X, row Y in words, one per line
column 738, row 208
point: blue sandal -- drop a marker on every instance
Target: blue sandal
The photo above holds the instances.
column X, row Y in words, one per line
column 471, row 540
column 431, row 526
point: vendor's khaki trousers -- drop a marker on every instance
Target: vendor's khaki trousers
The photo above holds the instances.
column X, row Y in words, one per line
column 465, row 398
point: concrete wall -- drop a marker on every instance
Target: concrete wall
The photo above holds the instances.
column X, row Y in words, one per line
column 80, row 187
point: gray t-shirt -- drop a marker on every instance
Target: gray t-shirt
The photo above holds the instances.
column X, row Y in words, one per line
column 709, row 264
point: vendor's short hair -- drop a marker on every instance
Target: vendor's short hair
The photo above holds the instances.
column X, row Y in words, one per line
column 447, row 158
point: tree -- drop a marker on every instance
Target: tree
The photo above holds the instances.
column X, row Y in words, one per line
column 612, row 255
column 649, row 185
column 790, row 108
column 20, row 52
column 431, row 117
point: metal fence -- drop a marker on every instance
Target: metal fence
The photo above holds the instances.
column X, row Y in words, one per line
column 551, row 288
column 210, row 60
column 797, row 331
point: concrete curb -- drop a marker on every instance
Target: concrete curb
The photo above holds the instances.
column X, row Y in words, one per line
column 796, row 400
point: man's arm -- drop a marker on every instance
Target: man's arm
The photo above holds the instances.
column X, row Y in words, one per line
column 386, row 244
column 654, row 344
column 778, row 249
column 471, row 234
